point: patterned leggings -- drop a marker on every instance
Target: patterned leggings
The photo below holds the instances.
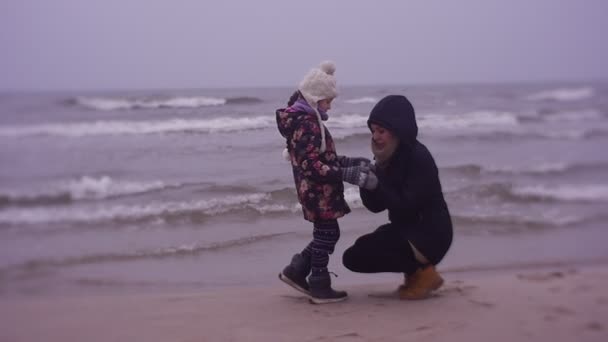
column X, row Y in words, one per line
column 325, row 236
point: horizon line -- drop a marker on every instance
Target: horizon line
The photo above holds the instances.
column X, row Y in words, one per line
column 389, row 84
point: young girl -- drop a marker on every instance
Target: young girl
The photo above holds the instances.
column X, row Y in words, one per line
column 318, row 174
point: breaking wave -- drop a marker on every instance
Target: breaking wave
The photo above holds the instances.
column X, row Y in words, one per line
column 164, row 211
column 588, row 193
column 111, row 104
column 476, row 119
column 86, row 187
column 564, row 94
column 540, row 169
column 507, row 192
column 361, row 100
column 121, row 127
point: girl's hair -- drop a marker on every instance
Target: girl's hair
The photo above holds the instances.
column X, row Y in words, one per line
column 293, row 98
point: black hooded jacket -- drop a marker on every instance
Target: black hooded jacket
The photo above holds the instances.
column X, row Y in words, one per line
column 409, row 185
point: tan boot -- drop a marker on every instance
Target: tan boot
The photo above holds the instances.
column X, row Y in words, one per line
column 407, row 282
column 423, row 282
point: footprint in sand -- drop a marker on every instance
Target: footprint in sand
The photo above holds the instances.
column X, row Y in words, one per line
column 460, row 290
column 541, row 276
column 595, row 326
column 555, row 289
column 562, row 310
column 333, row 338
column 454, row 287
column 482, row 303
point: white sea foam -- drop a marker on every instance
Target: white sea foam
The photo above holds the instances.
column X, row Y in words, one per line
column 360, row 100
column 564, row 94
column 85, row 187
column 477, row 119
column 543, row 167
column 117, row 127
column 102, row 187
column 348, row 121
column 103, row 103
column 598, row 192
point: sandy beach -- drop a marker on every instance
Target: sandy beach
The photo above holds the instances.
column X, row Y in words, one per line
column 561, row 303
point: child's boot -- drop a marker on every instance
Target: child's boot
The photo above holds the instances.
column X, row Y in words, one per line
column 296, row 272
column 421, row 284
column 321, row 291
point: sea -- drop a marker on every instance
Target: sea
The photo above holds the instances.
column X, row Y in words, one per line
column 182, row 190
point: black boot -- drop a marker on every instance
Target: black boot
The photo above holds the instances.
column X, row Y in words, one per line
column 321, row 291
column 295, row 274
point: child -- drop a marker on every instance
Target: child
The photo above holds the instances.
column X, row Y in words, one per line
column 318, row 174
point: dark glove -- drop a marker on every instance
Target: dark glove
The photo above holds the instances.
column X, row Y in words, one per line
column 350, row 162
column 360, row 176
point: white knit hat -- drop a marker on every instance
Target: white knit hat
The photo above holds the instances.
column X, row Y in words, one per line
column 319, row 84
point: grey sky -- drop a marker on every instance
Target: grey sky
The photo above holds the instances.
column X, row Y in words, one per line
column 84, row 44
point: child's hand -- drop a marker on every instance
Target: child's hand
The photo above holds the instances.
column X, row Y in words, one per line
column 362, row 176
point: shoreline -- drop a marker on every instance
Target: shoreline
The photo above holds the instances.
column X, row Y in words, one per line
column 558, row 303
column 257, row 265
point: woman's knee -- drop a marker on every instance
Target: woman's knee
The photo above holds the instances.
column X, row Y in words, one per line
column 350, row 259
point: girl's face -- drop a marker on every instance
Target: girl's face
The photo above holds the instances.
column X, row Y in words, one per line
column 382, row 137
column 324, row 105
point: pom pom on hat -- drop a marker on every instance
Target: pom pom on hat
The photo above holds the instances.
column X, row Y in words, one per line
column 319, row 84
column 328, row 67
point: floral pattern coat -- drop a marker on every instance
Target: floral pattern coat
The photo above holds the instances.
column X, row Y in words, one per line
column 317, row 176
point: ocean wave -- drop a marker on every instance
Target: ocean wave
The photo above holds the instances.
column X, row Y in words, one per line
column 474, row 120
column 510, row 223
column 352, row 136
column 360, row 100
column 83, row 188
column 243, row 100
column 563, row 94
column 577, row 115
column 540, row 169
column 164, row 211
column 110, row 104
column 185, row 250
column 507, row 192
column 532, row 133
column 281, row 201
column 569, row 192
column 118, row 103
column 347, row 121
column 433, row 121
column 116, row 127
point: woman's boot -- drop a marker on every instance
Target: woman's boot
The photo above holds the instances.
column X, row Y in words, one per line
column 423, row 282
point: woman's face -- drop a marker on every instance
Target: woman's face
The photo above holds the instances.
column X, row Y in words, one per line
column 382, row 137
column 324, row 105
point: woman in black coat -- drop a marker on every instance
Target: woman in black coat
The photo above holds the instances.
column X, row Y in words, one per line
column 420, row 230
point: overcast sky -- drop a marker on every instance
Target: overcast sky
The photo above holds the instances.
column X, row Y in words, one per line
column 90, row 44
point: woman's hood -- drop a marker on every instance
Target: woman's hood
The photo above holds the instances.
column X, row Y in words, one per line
column 396, row 113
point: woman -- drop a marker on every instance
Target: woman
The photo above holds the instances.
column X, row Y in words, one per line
column 420, row 230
